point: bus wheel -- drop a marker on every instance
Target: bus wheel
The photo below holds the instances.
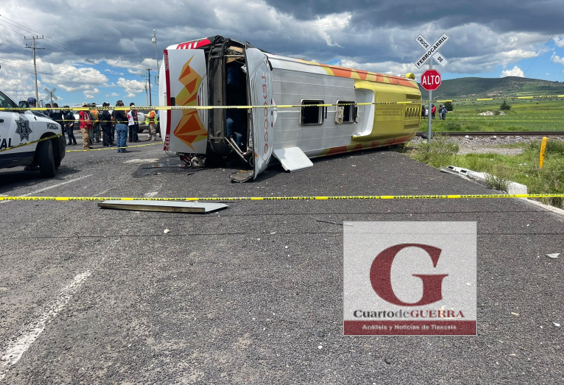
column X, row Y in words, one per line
column 45, row 159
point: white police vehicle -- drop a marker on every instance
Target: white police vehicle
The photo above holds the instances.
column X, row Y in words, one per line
column 29, row 138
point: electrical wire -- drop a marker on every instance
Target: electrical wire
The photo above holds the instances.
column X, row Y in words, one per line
column 11, row 22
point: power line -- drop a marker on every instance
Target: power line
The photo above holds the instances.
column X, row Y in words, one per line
column 5, row 26
column 13, row 23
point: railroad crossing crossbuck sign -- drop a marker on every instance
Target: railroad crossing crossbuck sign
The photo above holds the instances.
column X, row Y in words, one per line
column 431, row 51
column 51, row 95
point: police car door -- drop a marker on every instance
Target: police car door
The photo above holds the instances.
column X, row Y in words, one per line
column 15, row 129
column 259, row 77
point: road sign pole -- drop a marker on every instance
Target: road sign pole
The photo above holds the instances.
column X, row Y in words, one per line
column 430, row 105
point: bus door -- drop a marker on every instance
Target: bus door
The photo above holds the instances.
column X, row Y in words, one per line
column 184, row 84
column 261, row 122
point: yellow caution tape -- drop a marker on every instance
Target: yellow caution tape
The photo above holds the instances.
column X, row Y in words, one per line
column 166, row 108
column 291, row 198
column 29, row 143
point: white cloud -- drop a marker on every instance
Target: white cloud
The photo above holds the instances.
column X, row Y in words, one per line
column 559, row 42
column 516, row 71
column 132, row 87
column 113, row 72
column 556, row 59
column 112, row 95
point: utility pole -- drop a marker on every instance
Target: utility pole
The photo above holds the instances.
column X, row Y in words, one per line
column 144, row 76
column 146, row 94
column 154, row 41
column 150, row 96
column 33, row 38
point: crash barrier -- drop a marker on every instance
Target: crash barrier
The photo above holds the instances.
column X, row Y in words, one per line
column 115, row 147
column 29, row 143
column 292, row 198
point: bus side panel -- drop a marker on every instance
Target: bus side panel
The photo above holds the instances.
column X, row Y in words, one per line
column 291, row 87
column 185, row 85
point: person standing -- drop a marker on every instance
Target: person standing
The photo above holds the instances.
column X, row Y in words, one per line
column 151, row 121
column 133, row 124
column 95, row 123
column 68, row 117
column 120, row 119
column 433, row 111
column 106, row 125
column 57, row 116
column 159, row 123
column 85, row 127
column 48, row 112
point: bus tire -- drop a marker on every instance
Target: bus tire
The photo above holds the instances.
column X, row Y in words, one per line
column 45, row 159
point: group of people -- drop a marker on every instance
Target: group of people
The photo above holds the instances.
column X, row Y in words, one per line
column 102, row 126
column 442, row 112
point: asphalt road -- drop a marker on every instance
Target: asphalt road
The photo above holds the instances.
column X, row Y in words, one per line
column 253, row 293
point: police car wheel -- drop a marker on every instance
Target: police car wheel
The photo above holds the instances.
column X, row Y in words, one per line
column 45, row 159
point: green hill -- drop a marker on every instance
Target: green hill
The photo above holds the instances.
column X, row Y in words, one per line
column 510, row 86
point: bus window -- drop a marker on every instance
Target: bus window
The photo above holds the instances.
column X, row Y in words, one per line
column 348, row 111
column 313, row 115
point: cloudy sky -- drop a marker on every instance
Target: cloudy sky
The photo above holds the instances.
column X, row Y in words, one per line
column 99, row 50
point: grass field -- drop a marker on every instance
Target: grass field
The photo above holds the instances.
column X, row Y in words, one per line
column 525, row 115
column 523, row 168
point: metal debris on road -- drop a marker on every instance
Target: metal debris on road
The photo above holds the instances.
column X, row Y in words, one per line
column 553, row 256
column 163, row 206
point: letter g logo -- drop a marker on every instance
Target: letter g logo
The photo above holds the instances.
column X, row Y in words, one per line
column 380, row 276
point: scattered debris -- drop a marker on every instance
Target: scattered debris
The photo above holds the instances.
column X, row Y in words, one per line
column 163, row 206
column 515, row 314
column 553, row 256
column 242, row 176
column 556, row 324
column 167, row 231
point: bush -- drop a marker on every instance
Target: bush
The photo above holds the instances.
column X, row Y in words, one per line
column 441, row 151
column 505, row 106
column 499, row 178
column 448, row 106
column 453, row 126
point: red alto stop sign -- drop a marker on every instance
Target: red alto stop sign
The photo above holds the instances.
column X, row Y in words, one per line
column 431, row 80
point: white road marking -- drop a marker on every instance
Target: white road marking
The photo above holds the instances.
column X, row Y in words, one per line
column 51, row 187
column 151, row 194
column 28, row 335
column 141, row 161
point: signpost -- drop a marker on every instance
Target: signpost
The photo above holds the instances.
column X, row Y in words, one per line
column 431, row 79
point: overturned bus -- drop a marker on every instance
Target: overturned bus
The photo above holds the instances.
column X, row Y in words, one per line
column 300, row 109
